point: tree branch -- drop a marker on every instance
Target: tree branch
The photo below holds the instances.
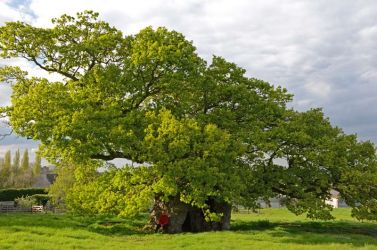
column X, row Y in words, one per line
column 108, row 157
column 111, row 155
column 33, row 59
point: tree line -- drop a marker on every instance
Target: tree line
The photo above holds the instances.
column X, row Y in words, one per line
column 18, row 172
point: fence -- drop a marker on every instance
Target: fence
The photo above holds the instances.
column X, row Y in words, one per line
column 37, row 209
column 13, row 209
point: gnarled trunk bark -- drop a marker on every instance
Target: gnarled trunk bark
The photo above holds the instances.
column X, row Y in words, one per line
column 186, row 218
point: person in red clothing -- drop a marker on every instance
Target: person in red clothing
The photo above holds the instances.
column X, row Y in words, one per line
column 163, row 221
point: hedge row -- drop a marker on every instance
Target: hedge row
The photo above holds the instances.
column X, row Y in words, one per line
column 12, row 193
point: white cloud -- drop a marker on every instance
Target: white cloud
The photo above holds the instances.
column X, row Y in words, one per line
column 7, row 13
column 5, row 92
column 318, row 89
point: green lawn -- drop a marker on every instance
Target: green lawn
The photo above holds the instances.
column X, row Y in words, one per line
column 269, row 229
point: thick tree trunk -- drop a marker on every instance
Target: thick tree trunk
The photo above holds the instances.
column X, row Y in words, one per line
column 185, row 218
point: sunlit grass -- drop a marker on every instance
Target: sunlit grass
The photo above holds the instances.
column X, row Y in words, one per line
column 268, row 229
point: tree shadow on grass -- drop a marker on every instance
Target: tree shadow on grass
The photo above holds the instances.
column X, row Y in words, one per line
column 258, row 225
column 313, row 233
column 116, row 226
column 38, row 220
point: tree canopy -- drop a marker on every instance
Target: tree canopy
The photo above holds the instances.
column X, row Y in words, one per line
column 200, row 130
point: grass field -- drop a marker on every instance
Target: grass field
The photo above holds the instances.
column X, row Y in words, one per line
column 269, row 229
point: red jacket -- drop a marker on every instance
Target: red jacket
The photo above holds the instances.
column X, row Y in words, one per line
column 163, row 220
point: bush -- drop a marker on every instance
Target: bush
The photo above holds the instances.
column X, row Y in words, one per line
column 25, row 202
column 40, row 199
column 11, row 194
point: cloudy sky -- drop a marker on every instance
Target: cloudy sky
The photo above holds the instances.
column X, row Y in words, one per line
column 323, row 51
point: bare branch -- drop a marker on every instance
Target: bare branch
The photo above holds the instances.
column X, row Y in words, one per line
column 108, row 157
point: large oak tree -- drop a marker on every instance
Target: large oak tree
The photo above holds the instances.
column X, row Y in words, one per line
column 206, row 136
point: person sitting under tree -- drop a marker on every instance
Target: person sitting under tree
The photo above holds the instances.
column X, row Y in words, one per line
column 162, row 221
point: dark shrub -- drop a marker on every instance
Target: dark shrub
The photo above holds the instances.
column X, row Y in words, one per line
column 11, row 194
column 41, row 199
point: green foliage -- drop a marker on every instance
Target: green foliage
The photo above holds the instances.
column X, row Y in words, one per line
column 40, row 199
column 37, row 165
column 13, row 193
column 25, row 165
column 16, row 161
column 30, row 200
column 16, row 170
column 62, row 185
column 196, row 161
column 25, row 202
column 200, row 130
column 13, row 176
column 5, row 170
column 126, row 192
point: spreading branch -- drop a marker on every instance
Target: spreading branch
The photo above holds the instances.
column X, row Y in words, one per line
column 48, row 69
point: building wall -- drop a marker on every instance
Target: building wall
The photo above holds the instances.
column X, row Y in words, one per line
column 46, row 178
column 334, row 202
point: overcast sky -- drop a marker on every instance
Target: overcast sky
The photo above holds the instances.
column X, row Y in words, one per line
column 323, row 51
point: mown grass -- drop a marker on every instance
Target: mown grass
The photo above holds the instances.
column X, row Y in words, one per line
column 268, row 229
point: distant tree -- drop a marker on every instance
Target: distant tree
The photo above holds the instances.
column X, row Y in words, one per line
column 2, row 179
column 36, row 169
column 16, row 161
column 25, row 165
column 26, row 174
column 6, row 170
column 7, row 161
column 37, row 166
column 1, row 171
column 16, row 169
column 18, row 175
